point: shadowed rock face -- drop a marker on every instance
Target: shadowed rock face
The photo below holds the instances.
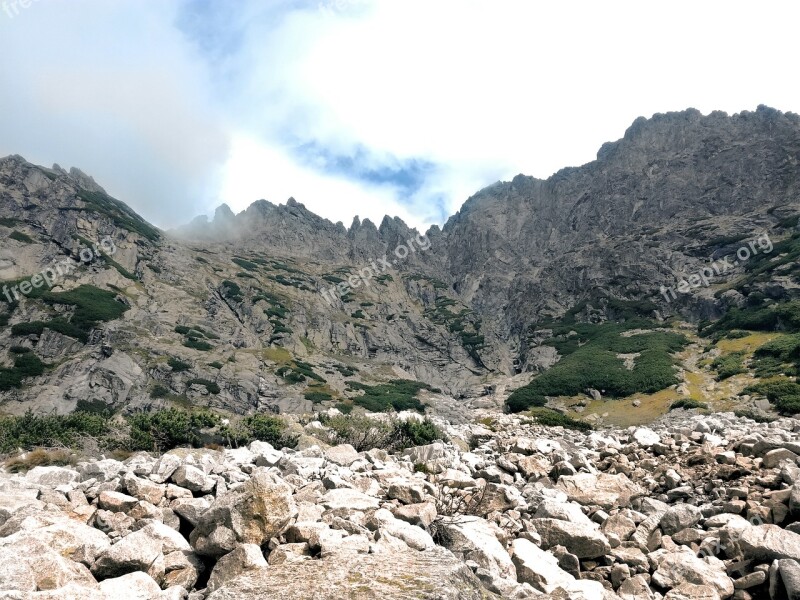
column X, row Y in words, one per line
column 675, row 193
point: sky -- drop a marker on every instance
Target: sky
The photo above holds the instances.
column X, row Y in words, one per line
column 364, row 107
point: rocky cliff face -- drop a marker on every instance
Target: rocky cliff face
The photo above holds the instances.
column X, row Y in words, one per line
column 277, row 308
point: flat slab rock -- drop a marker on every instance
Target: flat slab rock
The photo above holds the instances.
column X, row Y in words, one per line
column 434, row 575
column 606, row 491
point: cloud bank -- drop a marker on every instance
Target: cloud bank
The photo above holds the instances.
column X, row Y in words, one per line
column 360, row 107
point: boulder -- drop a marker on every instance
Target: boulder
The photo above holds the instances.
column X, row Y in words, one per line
column 246, row 557
column 678, row 517
column 582, row 540
column 144, row 489
column 769, row 542
column 262, row 508
column 676, row 568
column 692, row 591
column 474, row 539
column 116, row 502
column 137, row 551
column 193, row 479
column 350, row 499
column 133, row 586
column 52, row 476
column 408, row 575
column 604, row 490
column 343, row 455
column 538, row 568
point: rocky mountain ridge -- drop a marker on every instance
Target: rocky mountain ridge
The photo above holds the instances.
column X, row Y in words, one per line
column 233, row 314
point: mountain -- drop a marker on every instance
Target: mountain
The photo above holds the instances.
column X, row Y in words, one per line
column 256, row 311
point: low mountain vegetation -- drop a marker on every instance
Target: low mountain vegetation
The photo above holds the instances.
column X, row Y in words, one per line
column 399, row 395
column 591, row 360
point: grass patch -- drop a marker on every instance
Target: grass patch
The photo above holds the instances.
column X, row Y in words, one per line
column 39, row 457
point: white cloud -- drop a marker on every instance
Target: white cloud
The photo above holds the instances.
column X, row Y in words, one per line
column 257, row 171
column 479, row 89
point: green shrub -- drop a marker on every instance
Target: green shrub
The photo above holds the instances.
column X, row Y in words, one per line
column 781, row 355
column 159, row 391
column 178, row 366
column 420, row 433
column 232, row 291
column 365, row 433
column 729, row 365
column 118, row 213
column 688, row 404
column 212, row 387
column 59, row 325
column 590, row 361
column 169, row 428
column 25, row 365
column 197, row 344
column 246, row 264
column 360, row 432
column 21, row 237
column 551, row 418
column 344, row 408
column 783, row 393
column 400, row 394
column 215, row 365
column 316, row 396
column 92, row 306
column 32, row 431
column 265, row 428
column 19, row 350
column 777, row 317
column 359, row 314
